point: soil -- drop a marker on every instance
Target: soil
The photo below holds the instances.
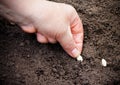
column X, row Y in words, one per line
column 24, row 61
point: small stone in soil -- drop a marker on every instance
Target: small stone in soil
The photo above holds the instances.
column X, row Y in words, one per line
column 54, row 70
column 22, row 44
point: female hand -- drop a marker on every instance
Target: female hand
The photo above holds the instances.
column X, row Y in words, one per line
column 52, row 22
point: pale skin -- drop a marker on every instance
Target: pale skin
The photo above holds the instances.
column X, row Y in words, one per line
column 51, row 22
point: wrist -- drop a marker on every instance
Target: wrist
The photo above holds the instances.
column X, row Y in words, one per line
column 17, row 11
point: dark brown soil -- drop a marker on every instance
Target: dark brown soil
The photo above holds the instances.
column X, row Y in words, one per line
column 24, row 61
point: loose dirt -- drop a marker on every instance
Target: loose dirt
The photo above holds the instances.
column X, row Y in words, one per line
column 24, row 61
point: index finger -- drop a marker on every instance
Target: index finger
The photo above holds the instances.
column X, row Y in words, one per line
column 77, row 32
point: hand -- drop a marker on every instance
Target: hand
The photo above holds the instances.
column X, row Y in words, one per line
column 53, row 22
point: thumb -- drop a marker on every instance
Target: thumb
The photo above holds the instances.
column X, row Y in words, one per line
column 67, row 42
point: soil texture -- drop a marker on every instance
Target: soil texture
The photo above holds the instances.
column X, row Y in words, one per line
column 24, row 61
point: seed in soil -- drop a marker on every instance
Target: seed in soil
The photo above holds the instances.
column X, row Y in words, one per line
column 79, row 58
column 104, row 62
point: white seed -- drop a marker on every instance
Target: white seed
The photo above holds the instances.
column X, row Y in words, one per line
column 104, row 62
column 79, row 58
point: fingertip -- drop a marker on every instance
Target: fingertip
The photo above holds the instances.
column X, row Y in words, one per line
column 41, row 38
column 51, row 40
column 28, row 29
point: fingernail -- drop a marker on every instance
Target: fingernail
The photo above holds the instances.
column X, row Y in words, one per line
column 75, row 52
